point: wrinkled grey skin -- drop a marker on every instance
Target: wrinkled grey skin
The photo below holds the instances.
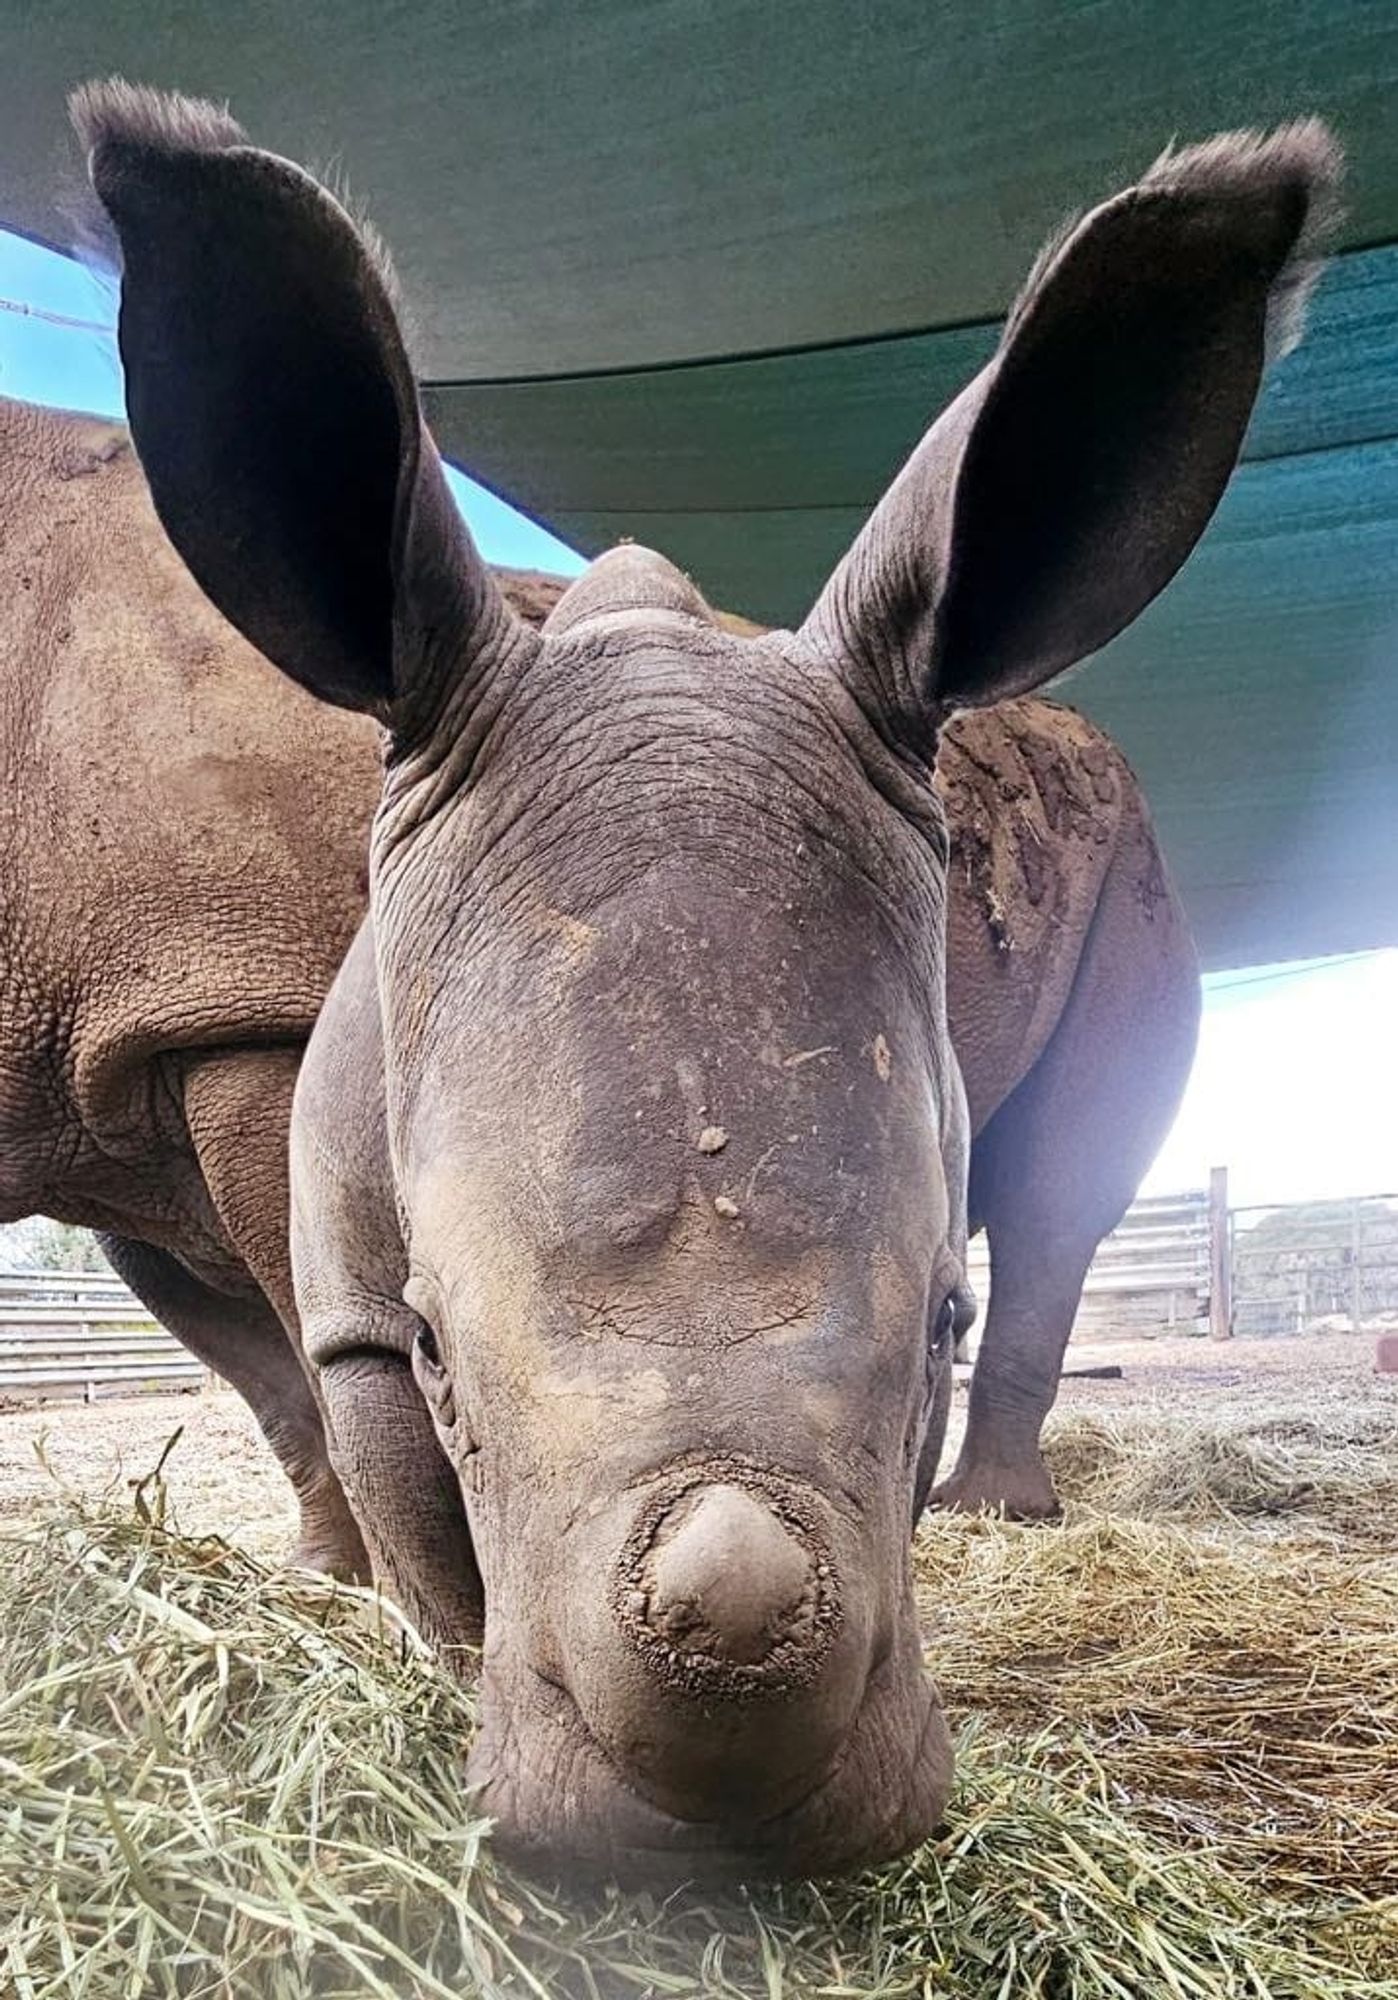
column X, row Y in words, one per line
column 186, row 842
column 633, row 1317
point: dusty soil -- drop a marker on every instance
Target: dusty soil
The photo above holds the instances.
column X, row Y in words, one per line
column 222, row 1478
column 1221, row 1377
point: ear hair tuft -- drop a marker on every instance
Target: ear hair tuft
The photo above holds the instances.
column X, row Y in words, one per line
column 113, row 113
column 1236, row 166
column 117, row 113
column 112, row 116
column 1305, row 154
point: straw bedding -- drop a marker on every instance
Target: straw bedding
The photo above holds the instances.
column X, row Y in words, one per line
column 1178, row 1719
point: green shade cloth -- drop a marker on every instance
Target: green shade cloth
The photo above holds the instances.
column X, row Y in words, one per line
column 700, row 275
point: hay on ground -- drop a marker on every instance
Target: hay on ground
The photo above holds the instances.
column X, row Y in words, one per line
column 215, row 1780
column 1334, row 1471
column 1234, row 1693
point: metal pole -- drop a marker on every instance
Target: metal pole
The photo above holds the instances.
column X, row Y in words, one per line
column 1220, row 1259
column 1356, row 1271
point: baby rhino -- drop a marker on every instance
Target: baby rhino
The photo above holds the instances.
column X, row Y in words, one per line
column 629, row 1153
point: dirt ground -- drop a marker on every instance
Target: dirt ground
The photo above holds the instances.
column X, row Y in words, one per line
column 222, row 1477
column 223, row 1480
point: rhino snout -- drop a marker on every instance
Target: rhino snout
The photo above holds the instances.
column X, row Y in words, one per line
column 731, row 1690
column 719, row 1594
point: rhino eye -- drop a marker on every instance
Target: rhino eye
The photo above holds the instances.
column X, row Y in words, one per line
column 432, row 1378
column 944, row 1325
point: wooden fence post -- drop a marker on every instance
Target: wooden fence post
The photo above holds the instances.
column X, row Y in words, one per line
column 1220, row 1258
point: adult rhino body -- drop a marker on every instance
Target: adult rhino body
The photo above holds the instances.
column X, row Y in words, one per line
column 185, row 835
column 632, row 1313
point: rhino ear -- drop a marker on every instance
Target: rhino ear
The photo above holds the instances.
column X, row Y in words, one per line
column 1065, row 486
column 273, row 406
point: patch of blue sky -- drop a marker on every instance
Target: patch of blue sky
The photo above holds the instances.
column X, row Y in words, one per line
column 504, row 535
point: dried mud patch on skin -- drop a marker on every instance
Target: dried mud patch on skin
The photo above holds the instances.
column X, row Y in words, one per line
column 690, row 1665
column 1025, row 787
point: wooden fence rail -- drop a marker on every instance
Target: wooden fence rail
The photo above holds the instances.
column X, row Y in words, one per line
column 1150, row 1276
column 66, row 1334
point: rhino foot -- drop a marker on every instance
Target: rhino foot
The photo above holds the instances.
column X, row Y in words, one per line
column 341, row 1560
column 1021, row 1491
column 330, row 1540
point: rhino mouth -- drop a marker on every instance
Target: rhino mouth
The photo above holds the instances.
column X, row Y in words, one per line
column 563, row 1805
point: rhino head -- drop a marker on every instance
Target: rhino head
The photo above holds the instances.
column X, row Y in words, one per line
column 629, row 1162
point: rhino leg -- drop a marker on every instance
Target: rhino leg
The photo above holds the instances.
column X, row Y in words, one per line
column 1036, row 1283
column 243, row 1340
column 352, row 1267
column 1059, row 1163
column 237, row 1105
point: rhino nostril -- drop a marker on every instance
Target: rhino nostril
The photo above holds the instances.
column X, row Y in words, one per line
column 721, row 1589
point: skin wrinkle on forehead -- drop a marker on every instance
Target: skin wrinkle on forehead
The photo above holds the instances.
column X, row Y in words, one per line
column 645, row 750
column 661, row 972
column 621, row 1234
column 588, row 1076
column 547, row 1208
